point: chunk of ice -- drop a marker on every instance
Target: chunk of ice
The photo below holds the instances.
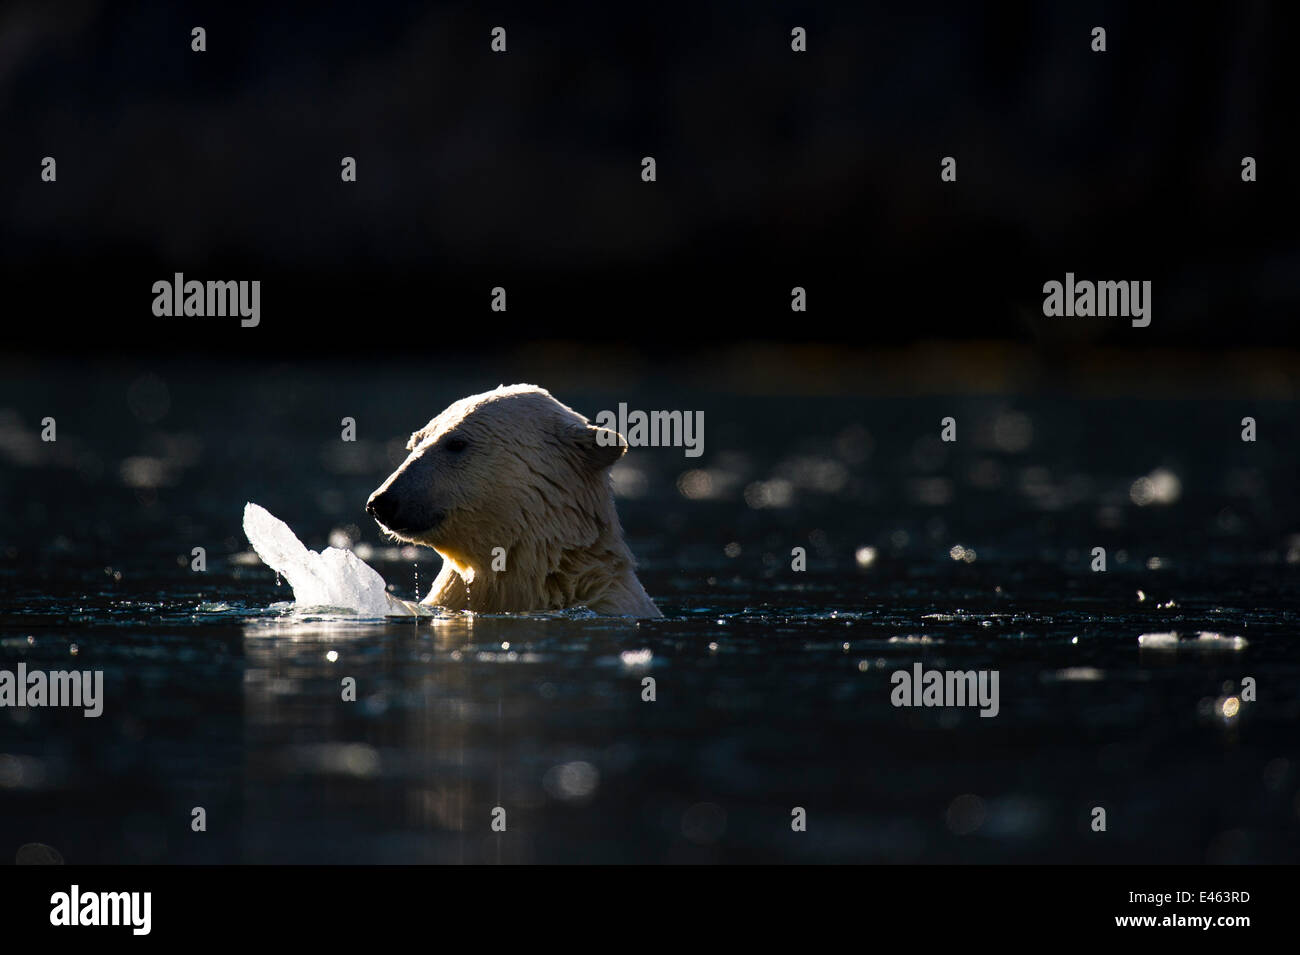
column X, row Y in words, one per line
column 1158, row 641
column 1220, row 641
column 332, row 578
column 1203, row 641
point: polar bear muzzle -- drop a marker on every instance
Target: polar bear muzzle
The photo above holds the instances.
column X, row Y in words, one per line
column 399, row 509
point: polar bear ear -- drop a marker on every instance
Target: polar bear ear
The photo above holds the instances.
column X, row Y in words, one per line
column 600, row 447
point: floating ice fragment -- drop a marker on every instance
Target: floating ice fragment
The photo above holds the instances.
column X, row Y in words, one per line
column 636, row 658
column 332, row 578
column 1079, row 675
column 1203, row 641
column 1219, row 641
column 1158, row 641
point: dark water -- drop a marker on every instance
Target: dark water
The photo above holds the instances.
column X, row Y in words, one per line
column 772, row 686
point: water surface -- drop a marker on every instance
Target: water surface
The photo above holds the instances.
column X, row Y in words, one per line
column 772, row 686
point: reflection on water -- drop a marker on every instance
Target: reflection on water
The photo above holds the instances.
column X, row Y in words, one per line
column 1121, row 689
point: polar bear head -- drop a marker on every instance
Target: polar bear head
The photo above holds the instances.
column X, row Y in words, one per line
column 511, row 468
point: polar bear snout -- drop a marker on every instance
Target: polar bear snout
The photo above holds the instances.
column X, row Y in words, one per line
column 402, row 507
column 383, row 508
column 402, row 518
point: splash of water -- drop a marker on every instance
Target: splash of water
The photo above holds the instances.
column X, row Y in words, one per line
column 331, row 578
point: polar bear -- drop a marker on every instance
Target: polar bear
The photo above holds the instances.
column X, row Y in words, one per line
column 512, row 489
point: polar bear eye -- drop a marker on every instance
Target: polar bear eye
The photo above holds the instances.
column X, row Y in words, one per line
column 455, row 444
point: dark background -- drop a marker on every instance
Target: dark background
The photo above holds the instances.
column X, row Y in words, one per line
column 522, row 170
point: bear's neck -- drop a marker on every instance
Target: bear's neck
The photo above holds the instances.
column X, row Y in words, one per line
column 536, row 574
